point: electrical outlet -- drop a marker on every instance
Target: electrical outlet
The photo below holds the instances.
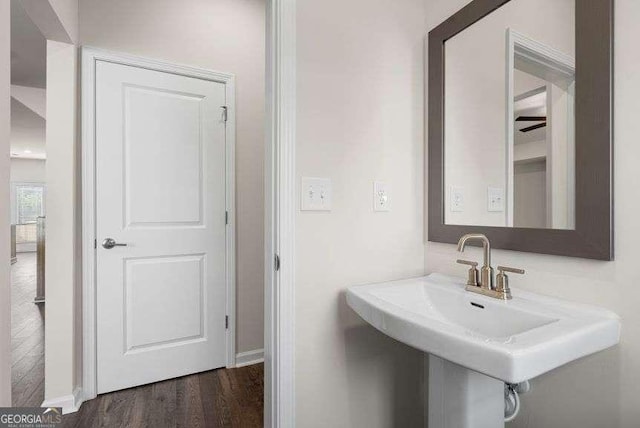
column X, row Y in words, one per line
column 456, row 203
column 316, row 194
column 381, row 199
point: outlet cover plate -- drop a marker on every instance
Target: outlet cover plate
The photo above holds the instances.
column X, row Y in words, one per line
column 456, row 203
column 381, row 197
column 495, row 199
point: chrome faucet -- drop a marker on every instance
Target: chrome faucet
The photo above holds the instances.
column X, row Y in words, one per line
column 483, row 283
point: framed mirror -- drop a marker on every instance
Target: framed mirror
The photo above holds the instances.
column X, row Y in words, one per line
column 520, row 126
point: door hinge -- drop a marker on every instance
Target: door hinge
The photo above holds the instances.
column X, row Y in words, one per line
column 95, row 244
column 226, row 321
column 226, row 217
column 276, row 263
column 224, row 113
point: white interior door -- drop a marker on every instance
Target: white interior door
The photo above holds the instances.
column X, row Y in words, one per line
column 160, row 190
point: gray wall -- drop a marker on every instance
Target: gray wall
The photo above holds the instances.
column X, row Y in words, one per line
column 360, row 104
column 27, row 170
column 530, row 194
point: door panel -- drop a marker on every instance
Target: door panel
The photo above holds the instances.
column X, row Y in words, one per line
column 153, row 119
column 156, row 286
column 160, row 189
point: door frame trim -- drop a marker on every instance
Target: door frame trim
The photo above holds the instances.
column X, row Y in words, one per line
column 89, row 329
column 280, row 215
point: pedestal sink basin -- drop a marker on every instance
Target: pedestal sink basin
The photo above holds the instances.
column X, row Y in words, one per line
column 476, row 343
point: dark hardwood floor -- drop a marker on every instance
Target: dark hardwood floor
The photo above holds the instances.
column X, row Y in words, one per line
column 218, row 398
column 27, row 335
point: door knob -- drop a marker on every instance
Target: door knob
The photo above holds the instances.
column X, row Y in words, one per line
column 109, row 243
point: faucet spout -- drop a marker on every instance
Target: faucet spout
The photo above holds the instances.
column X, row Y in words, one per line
column 486, row 273
column 486, row 245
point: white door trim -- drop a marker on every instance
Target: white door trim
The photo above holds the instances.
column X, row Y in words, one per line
column 89, row 58
column 280, row 212
column 538, row 52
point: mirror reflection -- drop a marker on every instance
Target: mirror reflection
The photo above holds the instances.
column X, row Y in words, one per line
column 509, row 151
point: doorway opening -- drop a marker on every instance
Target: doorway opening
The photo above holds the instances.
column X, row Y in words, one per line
column 268, row 204
column 27, row 193
column 159, row 204
column 540, row 135
column 173, row 201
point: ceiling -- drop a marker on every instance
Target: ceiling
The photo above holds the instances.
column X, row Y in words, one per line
column 534, row 105
column 28, row 50
column 28, row 68
column 27, row 132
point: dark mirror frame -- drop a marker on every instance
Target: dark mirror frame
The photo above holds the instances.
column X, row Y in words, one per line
column 593, row 234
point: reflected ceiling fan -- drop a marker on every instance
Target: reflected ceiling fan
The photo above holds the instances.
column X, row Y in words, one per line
column 542, row 119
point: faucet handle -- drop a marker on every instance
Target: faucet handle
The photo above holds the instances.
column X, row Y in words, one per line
column 502, row 269
column 472, row 279
column 502, row 280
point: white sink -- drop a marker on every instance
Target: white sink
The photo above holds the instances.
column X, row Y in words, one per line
column 512, row 340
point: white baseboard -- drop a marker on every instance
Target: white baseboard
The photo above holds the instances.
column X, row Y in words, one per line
column 250, row 357
column 69, row 403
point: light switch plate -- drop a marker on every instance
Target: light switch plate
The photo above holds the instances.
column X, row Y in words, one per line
column 456, row 203
column 381, row 197
column 316, row 194
column 495, row 199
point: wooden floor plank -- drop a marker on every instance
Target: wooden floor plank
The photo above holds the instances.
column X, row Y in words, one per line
column 23, row 391
column 27, row 335
column 212, row 401
column 217, row 398
column 161, row 409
